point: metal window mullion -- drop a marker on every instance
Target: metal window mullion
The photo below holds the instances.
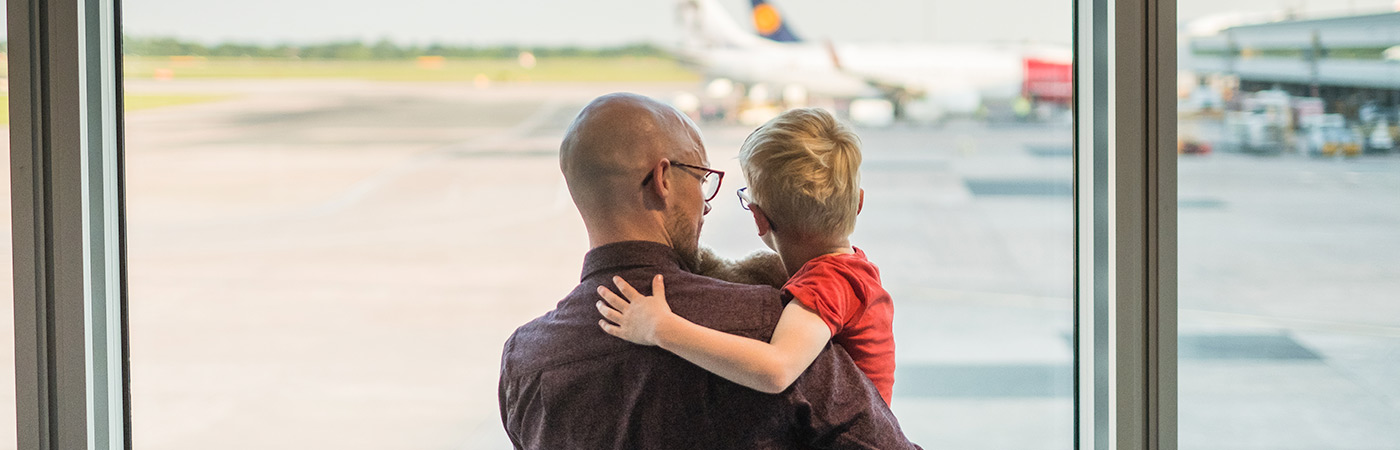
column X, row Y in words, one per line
column 103, row 232
column 1091, row 237
column 1128, row 230
column 1162, row 208
column 1125, row 224
column 66, row 226
column 30, row 260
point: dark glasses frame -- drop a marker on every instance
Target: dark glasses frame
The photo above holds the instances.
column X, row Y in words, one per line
column 719, row 180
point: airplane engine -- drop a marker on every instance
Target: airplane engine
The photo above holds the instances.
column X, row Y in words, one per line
column 687, row 103
column 719, row 88
column 795, row 96
column 924, row 111
column 872, row 112
column 957, row 101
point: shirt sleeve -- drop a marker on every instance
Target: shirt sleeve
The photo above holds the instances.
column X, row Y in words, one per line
column 837, row 407
column 504, row 392
column 826, row 291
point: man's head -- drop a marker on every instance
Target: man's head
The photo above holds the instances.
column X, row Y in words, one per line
column 803, row 169
column 624, row 161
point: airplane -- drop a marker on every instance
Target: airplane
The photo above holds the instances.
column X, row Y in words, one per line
column 933, row 80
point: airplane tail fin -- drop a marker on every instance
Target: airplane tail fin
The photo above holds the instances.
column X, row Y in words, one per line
column 770, row 24
column 706, row 25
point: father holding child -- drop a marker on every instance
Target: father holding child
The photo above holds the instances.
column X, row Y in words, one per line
column 638, row 173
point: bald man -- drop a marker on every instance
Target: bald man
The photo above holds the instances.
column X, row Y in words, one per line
column 638, row 173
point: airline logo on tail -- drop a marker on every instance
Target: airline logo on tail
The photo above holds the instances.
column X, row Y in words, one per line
column 769, row 23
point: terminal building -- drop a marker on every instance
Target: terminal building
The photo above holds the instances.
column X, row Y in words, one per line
column 1349, row 62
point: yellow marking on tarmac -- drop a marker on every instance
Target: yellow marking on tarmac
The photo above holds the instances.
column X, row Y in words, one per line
column 139, row 102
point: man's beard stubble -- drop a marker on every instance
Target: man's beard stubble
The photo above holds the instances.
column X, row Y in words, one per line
column 685, row 238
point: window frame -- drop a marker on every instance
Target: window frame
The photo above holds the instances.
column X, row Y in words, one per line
column 69, row 237
column 1125, row 224
column 66, row 184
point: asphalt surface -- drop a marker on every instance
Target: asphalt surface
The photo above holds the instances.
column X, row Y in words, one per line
column 335, row 264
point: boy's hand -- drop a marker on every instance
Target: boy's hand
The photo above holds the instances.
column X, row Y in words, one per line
column 637, row 317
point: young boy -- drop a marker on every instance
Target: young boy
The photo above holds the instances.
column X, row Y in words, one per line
column 804, row 193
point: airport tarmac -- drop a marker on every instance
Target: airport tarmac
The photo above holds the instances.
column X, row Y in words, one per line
column 335, row 264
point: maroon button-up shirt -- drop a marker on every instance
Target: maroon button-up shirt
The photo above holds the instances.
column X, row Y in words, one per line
column 565, row 384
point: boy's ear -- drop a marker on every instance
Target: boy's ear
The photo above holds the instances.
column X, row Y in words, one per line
column 764, row 227
column 861, row 205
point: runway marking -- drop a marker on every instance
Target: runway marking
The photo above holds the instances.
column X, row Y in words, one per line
column 362, row 189
column 1027, row 301
column 1248, row 320
column 261, row 242
column 984, row 381
column 367, row 186
column 535, row 120
column 1294, row 324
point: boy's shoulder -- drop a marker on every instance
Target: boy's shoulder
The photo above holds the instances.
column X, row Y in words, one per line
column 853, row 266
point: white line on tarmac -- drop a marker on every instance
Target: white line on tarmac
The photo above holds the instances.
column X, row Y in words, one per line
column 518, row 131
column 1228, row 318
column 1294, row 324
column 367, row 186
column 1027, row 301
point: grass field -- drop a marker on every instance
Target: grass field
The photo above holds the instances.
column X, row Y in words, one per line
column 138, row 102
column 487, row 70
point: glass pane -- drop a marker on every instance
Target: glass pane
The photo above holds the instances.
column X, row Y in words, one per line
column 335, row 224
column 1289, row 256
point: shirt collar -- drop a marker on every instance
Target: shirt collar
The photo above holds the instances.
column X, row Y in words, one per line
column 618, row 256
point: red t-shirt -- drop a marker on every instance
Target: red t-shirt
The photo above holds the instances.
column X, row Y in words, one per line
column 844, row 289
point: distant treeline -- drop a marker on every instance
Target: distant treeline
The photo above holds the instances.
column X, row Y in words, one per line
column 356, row 50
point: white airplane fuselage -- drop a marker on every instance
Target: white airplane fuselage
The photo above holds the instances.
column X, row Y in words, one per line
column 958, row 79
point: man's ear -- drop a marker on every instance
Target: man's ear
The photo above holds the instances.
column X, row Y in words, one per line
column 861, row 205
column 656, row 190
column 661, row 184
column 760, row 219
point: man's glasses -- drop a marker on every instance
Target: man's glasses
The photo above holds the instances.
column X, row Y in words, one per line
column 709, row 182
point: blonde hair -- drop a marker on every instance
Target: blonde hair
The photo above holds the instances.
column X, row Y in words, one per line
column 803, row 169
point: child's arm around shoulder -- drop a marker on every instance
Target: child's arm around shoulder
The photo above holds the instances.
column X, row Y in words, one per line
column 764, row 366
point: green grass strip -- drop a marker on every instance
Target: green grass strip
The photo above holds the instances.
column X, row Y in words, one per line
column 581, row 69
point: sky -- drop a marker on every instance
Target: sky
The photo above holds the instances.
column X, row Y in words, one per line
column 613, row 22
